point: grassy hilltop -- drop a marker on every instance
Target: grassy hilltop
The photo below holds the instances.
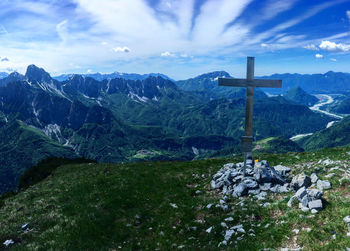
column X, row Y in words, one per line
column 163, row 206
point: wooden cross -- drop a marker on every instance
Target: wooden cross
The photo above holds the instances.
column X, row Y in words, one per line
column 249, row 83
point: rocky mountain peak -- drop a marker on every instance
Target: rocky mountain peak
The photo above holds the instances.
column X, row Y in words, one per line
column 214, row 74
column 15, row 76
column 76, row 77
column 35, row 73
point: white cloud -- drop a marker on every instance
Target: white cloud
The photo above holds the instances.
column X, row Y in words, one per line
column 333, row 59
column 89, row 71
column 292, row 22
column 348, row 14
column 3, row 30
column 167, row 54
column 311, row 47
column 318, row 56
column 275, row 7
column 121, row 49
column 332, row 46
column 62, row 30
column 86, row 33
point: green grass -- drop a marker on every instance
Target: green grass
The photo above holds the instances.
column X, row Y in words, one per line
column 128, row 207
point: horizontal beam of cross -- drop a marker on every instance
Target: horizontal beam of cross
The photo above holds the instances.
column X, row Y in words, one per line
column 267, row 83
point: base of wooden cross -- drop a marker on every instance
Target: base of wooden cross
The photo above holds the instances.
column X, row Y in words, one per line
column 248, row 161
column 247, row 148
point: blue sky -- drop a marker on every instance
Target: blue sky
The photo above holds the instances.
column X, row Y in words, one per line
column 180, row 38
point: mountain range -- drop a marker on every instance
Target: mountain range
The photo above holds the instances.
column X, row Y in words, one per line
column 330, row 82
column 100, row 76
column 119, row 119
column 3, row 75
column 299, row 96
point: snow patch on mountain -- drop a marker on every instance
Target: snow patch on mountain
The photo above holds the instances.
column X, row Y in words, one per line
column 52, row 129
column 137, row 98
column 97, row 100
column 217, row 78
column 35, row 112
column 299, row 136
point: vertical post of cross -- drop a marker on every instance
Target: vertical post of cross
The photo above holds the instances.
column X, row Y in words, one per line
column 247, row 139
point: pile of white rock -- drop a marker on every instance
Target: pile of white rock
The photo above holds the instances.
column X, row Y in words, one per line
column 309, row 198
column 233, row 179
column 347, row 221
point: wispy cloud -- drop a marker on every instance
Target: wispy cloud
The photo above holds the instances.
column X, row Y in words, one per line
column 3, row 30
column 62, row 30
column 348, row 14
column 121, row 49
column 275, row 7
column 62, row 35
column 167, row 54
column 311, row 47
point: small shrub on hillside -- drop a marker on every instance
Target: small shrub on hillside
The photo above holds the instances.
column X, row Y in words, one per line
column 44, row 168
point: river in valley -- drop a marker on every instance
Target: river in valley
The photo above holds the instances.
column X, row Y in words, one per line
column 324, row 99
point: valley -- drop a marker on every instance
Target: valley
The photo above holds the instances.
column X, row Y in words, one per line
column 323, row 101
column 117, row 120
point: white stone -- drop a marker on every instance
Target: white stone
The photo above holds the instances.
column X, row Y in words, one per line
column 315, row 194
column 314, row 211
column 347, row 219
column 8, row 243
column 330, row 175
column 25, row 226
column 314, row 178
column 173, row 205
column 323, row 184
column 301, row 193
column 229, row 219
column 209, row 230
column 305, row 209
column 229, row 165
column 266, row 204
column 315, row 204
column 237, row 227
column 223, row 243
column 290, row 202
column 209, row 206
column 228, row 234
column 307, row 229
column 212, row 184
